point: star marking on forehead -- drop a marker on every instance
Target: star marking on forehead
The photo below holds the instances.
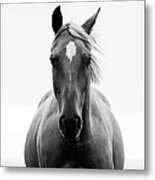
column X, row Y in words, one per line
column 70, row 50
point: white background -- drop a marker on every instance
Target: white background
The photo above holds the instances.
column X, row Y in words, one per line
column 26, row 71
column 18, row 173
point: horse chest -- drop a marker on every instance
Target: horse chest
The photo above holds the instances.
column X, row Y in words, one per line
column 89, row 156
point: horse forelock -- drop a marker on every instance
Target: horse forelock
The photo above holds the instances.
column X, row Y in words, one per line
column 90, row 41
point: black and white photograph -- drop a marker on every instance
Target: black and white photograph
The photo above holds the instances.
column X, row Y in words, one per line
column 72, row 85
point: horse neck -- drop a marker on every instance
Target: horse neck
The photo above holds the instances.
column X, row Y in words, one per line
column 86, row 131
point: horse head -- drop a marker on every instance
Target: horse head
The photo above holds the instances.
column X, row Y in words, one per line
column 72, row 70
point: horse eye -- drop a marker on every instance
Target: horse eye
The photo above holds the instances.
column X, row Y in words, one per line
column 53, row 60
column 88, row 60
column 57, row 92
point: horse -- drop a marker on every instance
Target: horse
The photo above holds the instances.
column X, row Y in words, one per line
column 74, row 126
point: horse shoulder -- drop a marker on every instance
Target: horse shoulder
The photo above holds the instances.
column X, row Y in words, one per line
column 118, row 147
column 31, row 158
column 105, row 117
column 31, row 149
column 47, row 129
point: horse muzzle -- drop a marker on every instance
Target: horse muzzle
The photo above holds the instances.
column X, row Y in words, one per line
column 70, row 128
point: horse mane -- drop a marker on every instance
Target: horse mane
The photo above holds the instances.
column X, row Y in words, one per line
column 78, row 32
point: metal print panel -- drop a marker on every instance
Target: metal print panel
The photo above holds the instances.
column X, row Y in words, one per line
column 73, row 85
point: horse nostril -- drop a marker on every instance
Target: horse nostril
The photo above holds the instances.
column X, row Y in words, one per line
column 70, row 127
column 61, row 122
column 78, row 122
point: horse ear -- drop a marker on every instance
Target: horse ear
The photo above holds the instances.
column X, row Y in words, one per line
column 57, row 19
column 87, row 26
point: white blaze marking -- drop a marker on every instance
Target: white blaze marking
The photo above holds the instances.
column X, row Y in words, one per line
column 70, row 50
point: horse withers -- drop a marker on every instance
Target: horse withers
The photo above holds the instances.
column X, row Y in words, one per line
column 74, row 126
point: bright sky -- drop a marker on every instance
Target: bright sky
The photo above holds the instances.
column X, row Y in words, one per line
column 26, row 72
